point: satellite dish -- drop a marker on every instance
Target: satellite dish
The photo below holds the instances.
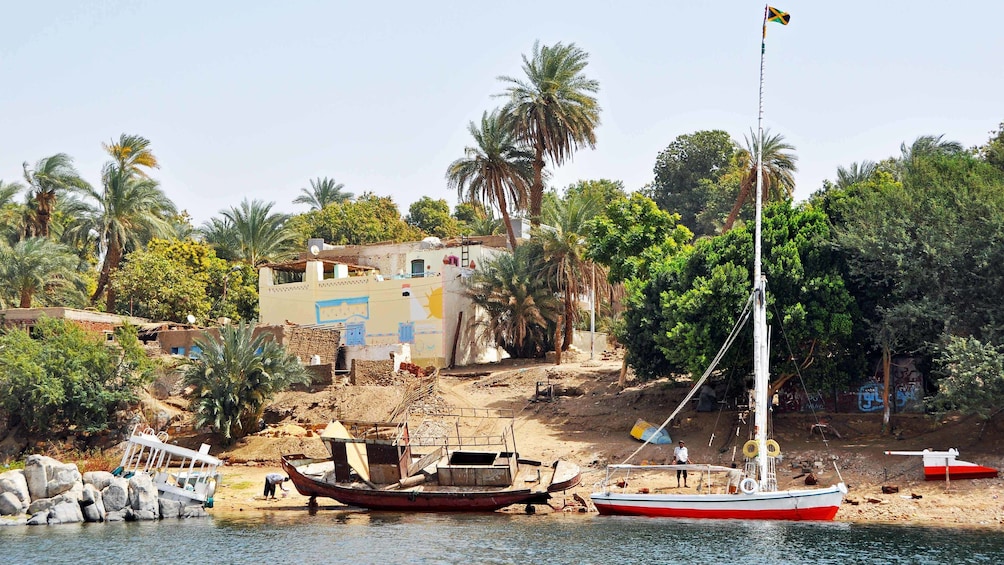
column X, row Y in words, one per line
column 191, row 319
column 314, row 250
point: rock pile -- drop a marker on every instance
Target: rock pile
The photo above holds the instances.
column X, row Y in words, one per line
column 47, row 491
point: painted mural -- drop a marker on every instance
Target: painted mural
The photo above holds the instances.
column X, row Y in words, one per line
column 866, row 396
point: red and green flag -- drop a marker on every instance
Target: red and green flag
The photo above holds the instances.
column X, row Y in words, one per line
column 775, row 15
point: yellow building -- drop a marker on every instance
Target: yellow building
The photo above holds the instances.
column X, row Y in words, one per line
column 400, row 298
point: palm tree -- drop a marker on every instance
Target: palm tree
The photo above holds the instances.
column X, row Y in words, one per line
column 323, row 191
column 521, row 310
column 50, row 177
column 35, row 265
column 564, row 247
column 234, row 378
column 250, row 233
column 778, row 172
column 553, row 111
column 495, row 171
column 131, row 209
column 855, row 173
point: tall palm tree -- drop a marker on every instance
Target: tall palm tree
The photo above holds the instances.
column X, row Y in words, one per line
column 50, row 177
column 35, row 265
column 131, row 208
column 495, row 171
column 323, row 191
column 564, row 247
column 855, row 173
column 250, row 233
column 553, row 111
column 778, row 172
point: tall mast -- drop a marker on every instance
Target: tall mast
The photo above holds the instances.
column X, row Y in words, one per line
column 761, row 356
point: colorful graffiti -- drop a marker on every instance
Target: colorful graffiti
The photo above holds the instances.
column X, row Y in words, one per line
column 906, row 394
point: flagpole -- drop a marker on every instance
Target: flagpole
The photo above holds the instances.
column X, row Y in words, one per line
column 760, row 347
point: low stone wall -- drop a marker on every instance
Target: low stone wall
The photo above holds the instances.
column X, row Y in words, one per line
column 47, row 491
column 369, row 372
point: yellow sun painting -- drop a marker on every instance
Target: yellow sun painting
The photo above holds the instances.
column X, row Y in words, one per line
column 434, row 303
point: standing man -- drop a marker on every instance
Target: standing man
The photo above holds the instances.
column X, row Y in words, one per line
column 273, row 479
column 682, row 456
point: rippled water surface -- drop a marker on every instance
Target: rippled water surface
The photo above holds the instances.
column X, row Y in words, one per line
column 387, row 538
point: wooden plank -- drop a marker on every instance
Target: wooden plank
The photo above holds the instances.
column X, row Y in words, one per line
column 425, row 461
column 355, row 452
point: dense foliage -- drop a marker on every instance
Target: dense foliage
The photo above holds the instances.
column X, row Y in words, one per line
column 60, row 377
column 235, row 376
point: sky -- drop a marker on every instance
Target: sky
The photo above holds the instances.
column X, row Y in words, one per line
column 253, row 99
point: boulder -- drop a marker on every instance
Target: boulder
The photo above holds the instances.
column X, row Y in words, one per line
column 100, row 479
column 144, row 515
column 36, row 474
column 62, row 478
column 194, row 511
column 39, row 518
column 169, row 508
column 10, row 504
column 119, row 515
column 143, row 495
column 91, row 504
column 116, row 495
column 66, row 512
column 14, row 482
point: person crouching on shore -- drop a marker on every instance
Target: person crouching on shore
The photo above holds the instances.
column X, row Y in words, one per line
column 273, row 479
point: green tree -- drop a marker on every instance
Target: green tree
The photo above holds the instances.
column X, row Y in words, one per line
column 168, row 280
column 433, row 217
column 251, row 233
column 971, row 378
column 521, row 310
column 235, row 376
column 51, row 177
column 62, row 377
column 632, row 234
column 35, row 267
column 131, row 208
column 686, row 170
column 323, row 191
column 778, row 175
column 857, row 172
column 602, row 190
column 553, row 111
column 678, row 319
column 368, row 219
column 993, row 151
column 495, row 172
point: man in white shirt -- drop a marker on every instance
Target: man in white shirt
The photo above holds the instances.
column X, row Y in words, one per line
column 682, row 456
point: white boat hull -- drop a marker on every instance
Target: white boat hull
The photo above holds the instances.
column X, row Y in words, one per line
column 814, row 504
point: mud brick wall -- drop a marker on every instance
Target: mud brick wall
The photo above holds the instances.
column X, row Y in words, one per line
column 307, row 342
column 369, row 372
column 321, row 375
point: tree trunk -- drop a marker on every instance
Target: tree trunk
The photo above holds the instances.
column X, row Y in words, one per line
column 112, row 259
column 26, row 295
column 504, row 210
column 744, row 192
column 569, row 320
column 557, row 341
column 886, row 378
column 537, row 188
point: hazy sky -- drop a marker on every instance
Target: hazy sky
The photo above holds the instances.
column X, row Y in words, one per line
column 252, row 99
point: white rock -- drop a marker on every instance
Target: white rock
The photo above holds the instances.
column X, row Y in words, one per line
column 10, row 504
column 13, row 481
column 36, row 473
column 170, row 508
column 62, row 477
column 66, row 512
column 116, row 495
column 91, row 504
column 143, row 495
column 100, row 479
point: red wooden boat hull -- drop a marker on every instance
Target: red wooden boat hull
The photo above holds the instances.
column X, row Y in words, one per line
column 408, row 500
column 957, row 471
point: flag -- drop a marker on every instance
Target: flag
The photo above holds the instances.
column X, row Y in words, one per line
column 775, row 15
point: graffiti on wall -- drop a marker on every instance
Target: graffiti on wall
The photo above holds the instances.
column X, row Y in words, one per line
column 342, row 309
column 906, row 395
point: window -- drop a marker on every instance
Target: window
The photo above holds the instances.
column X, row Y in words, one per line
column 355, row 334
column 418, row 268
column 406, row 332
column 177, row 351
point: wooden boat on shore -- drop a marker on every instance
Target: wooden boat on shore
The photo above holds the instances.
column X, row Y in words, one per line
column 382, row 466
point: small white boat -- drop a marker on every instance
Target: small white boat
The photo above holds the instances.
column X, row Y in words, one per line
column 178, row 473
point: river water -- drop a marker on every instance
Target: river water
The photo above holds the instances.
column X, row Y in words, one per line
column 388, row 538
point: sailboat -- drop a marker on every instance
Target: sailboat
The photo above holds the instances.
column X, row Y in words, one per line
column 757, row 496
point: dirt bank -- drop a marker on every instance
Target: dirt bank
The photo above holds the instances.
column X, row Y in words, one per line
column 588, row 423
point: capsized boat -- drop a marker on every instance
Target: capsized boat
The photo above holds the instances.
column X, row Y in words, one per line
column 944, row 465
column 177, row 472
column 757, row 496
column 383, row 466
column 651, row 433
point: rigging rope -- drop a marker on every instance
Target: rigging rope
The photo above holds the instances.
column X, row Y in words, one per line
column 714, row 363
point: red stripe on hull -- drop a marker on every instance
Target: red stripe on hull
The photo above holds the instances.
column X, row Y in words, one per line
column 955, row 472
column 817, row 513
